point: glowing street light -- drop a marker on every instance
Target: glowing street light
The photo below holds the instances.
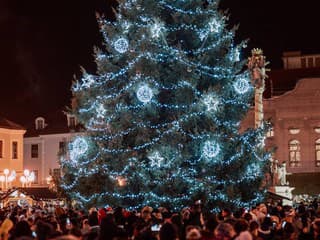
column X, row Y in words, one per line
column 27, row 178
column 7, row 178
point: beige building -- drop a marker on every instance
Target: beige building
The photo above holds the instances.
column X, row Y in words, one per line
column 11, row 153
column 292, row 104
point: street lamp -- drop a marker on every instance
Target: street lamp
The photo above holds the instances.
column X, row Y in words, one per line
column 27, row 178
column 7, row 178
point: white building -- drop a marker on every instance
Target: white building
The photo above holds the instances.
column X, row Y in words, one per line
column 44, row 141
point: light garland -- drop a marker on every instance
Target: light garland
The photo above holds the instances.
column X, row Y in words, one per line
column 156, row 115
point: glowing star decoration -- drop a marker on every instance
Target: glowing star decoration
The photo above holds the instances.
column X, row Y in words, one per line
column 87, row 81
column 156, row 159
column 144, row 93
column 156, row 30
column 211, row 102
column 211, row 149
column 241, row 85
column 100, row 111
column 78, row 147
column 214, row 25
column 121, row 45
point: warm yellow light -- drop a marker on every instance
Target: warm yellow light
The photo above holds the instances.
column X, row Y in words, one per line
column 6, row 171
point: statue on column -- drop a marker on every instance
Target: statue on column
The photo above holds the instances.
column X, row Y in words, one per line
column 282, row 174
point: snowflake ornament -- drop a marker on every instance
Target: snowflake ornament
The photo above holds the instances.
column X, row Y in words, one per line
column 241, row 85
column 121, row 45
column 211, row 149
column 78, row 147
column 144, row 94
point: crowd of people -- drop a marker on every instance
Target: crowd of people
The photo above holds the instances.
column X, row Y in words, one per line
column 261, row 222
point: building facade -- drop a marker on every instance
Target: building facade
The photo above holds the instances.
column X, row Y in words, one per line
column 44, row 141
column 292, row 104
column 11, row 153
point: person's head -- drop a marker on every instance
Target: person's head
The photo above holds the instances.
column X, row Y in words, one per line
column 241, row 225
column 193, row 234
column 168, row 232
column 316, row 226
column 146, row 213
column 224, row 231
column 23, row 229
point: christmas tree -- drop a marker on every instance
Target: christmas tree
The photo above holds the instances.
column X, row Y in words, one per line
column 162, row 114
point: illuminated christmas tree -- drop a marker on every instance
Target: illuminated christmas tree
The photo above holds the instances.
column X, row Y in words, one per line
column 162, row 114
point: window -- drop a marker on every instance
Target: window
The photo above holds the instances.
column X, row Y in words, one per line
column 303, row 63
column 294, row 153
column 14, row 149
column 72, row 122
column 36, row 176
column 40, row 123
column 62, row 147
column 270, row 133
column 317, row 63
column 318, row 153
column 294, row 131
column 1, row 149
column 310, row 62
column 34, row 150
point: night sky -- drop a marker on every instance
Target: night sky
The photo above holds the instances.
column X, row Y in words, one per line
column 44, row 43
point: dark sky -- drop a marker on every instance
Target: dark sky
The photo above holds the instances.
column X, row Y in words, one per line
column 44, row 43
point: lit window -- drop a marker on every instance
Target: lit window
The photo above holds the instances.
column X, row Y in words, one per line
column 14, row 150
column 318, row 153
column 40, row 124
column 270, row 133
column 294, row 153
column 1, row 149
column 34, row 151
column 36, row 173
column 294, row 131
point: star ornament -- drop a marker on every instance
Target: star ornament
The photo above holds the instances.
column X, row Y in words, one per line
column 156, row 159
column 211, row 102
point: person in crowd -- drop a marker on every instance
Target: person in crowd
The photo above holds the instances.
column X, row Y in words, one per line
column 211, row 223
column 168, row 231
column 224, row 231
column 241, row 228
column 109, row 229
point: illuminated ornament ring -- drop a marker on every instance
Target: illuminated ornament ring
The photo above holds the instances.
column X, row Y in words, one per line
column 241, row 85
column 121, row 45
column 211, row 149
column 78, row 147
column 144, row 93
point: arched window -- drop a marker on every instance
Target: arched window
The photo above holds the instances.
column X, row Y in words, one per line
column 294, row 153
column 318, row 152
